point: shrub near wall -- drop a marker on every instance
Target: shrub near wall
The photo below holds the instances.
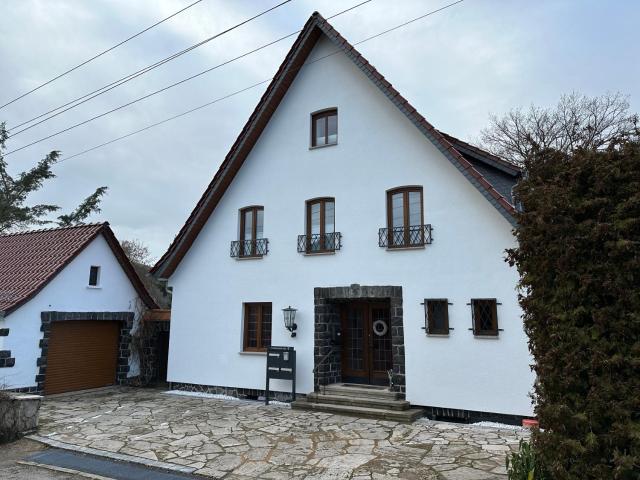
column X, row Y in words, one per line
column 579, row 261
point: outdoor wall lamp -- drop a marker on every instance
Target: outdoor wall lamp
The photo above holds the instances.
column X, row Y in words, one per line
column 290, row 319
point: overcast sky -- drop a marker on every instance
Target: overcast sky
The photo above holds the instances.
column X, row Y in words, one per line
column 456, row 67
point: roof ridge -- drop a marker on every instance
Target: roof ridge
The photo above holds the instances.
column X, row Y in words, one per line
column 52, row 229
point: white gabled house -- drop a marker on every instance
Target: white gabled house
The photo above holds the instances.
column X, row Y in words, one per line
column 69, row 298
column 387, row 236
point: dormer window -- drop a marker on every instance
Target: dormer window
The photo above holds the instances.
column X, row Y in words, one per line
column 94, row 276
column 324, row 128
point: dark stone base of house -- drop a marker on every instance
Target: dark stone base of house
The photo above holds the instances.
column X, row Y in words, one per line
column 33, row 389
column 471, row 416
column 238, row 392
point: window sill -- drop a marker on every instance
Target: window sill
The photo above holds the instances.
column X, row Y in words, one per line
column 323, row 146
column 489, row 336
column 414, row 247
column 438, row 334
column 264, row 354
column 249, row 257
column 315, row 254
column 94, row 287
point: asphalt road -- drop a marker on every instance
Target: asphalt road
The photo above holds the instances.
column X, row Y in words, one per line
column 93, row 467
column 13, row 452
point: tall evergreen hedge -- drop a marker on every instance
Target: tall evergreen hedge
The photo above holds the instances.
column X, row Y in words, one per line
column 579, row 261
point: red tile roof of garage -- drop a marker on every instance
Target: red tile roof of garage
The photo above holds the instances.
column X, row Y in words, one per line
column 30, row 260
column 293, row 62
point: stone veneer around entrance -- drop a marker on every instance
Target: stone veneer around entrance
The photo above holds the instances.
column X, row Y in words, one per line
column 327, row 348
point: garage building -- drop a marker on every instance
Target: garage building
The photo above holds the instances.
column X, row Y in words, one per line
column 69, row 299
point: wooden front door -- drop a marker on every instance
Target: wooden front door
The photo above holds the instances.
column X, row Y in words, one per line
column 366, row 343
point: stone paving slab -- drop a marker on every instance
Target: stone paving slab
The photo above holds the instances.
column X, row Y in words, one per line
column 244, row 439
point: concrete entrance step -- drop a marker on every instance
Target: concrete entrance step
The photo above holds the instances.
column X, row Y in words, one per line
column 359, row 401
column 357, row 390
column 378, row 413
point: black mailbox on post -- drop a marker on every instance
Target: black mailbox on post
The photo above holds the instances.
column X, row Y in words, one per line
column 281, row 364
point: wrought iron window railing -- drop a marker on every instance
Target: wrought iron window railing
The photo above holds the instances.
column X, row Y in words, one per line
column 413, row 236
column 328, row 242
column 250, row 248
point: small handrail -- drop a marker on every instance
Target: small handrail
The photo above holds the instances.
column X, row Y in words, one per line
column 319, row 243
column 403, row 237
column 250, row 248
column 315, row 369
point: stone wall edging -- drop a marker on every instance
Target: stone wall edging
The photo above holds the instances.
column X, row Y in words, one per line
column 237, row 392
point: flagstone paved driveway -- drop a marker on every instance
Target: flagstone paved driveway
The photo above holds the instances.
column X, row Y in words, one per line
column 244, row 439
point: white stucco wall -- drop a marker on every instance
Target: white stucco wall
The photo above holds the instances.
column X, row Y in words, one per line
column 378, row 149
column 67, row 292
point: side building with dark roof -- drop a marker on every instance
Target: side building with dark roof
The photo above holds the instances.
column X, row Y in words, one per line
column 69, row 298
column 340, row 203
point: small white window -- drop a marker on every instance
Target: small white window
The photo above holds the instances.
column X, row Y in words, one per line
column 94, row 276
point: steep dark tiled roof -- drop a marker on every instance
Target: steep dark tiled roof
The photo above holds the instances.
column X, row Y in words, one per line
column 297, row 55
column 30, row 260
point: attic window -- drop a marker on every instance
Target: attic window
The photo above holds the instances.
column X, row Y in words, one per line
column 94, row 276
column 324, row 128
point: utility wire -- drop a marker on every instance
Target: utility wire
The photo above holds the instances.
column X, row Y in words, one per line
column 250, row 87
column 100, row 54
column 121, row 81
column 200, row 107
column 166, row 120
column 156, row 92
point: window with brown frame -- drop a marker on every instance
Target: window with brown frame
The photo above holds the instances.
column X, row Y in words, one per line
column 251, row 231
column 485, row 316
column 320, row 225
column 257, row 327
column 324, row 128
column 405, row 219
column 436, row 312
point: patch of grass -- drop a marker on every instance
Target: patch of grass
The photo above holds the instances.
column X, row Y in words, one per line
column 522, row 465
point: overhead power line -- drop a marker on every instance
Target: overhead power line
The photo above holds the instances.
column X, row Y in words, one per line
column 100, row 54
column 156, row 92
column 200, row 107
column 237, row 92
column 127, row 78
column 254, row 85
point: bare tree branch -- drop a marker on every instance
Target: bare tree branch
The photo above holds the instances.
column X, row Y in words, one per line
column 577, row 121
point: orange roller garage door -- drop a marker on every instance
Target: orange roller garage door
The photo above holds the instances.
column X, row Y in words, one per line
column 82, row 354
